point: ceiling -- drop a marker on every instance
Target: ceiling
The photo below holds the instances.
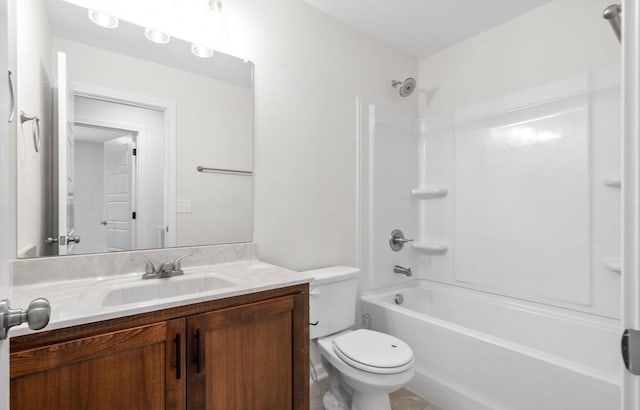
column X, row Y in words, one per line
column 422, row 27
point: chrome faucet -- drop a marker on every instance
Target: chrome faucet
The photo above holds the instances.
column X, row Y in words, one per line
column 164, row 270
column 403, row 271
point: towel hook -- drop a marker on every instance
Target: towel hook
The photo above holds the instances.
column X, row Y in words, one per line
column 35, row 128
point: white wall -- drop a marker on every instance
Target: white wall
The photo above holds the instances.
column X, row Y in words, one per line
column 309, row 70
column 34, row 95
column 561, row 38
column 7, row 240
column 89, row 185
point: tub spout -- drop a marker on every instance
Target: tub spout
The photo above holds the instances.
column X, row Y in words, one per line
column 403, row 271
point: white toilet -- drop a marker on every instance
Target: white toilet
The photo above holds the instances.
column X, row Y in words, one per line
column 364, row 366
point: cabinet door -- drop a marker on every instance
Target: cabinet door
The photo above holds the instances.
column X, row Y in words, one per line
column 242, row 357
column 128, row 369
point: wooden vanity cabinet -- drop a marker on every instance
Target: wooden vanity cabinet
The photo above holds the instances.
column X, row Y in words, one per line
column 246, row 352
column 130, row 368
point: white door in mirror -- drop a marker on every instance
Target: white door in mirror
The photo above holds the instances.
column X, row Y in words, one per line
column 119, row 189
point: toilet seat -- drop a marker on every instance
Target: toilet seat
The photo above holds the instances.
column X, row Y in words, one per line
column 373, row 352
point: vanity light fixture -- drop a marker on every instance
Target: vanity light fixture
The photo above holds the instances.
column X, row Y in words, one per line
column 156, row 36
column 201, row 51
column 103, row 19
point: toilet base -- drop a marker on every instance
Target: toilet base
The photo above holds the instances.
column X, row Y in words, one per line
column 359, row 401
column 368, row 401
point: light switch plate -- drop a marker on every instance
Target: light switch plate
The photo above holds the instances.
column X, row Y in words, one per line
column 184, row 206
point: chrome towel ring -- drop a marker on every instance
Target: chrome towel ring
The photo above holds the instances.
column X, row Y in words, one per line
column 35, row 128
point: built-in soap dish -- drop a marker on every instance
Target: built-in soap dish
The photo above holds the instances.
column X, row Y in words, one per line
column 613, row 182
column 431, row 247
column 430, row 193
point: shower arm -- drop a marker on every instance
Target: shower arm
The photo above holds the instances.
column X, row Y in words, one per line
column 613, row 15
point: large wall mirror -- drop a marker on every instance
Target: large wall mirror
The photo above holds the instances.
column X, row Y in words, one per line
column 127, row 138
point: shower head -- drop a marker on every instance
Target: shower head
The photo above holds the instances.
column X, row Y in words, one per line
column 406, row 87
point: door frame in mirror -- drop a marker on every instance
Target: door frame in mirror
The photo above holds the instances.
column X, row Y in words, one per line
column 140, row 161
column 168, row 108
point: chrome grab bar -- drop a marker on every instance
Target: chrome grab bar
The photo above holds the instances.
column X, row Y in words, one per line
column 12, row 96
column 200, row 168
column 35, row 128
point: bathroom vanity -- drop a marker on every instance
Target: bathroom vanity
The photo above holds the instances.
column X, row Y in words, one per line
column 241, row 346
column 138, row 172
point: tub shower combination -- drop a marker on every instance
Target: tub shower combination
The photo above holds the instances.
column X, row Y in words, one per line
column 513, row 296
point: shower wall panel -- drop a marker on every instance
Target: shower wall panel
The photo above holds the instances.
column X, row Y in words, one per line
column 522, row 201
column 387, row 172
column 533, row 208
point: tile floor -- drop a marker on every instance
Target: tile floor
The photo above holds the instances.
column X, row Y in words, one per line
column 402, row 399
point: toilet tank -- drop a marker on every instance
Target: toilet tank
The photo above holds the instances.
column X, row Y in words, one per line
column 332, row 299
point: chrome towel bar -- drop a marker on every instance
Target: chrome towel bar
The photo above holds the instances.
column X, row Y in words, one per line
column 200, row 168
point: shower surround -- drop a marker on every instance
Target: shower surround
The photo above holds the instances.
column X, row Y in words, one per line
column 514, row 207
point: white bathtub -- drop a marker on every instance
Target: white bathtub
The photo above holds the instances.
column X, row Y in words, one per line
column 479, row 351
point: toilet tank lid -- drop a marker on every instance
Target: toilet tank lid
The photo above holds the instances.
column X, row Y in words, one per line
column 332, row 274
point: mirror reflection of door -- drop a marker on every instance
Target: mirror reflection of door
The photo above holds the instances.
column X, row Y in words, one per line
column 119, row 186
column 106, row 185
column 65, row 156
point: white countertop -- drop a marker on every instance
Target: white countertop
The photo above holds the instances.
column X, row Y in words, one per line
column 80, row 301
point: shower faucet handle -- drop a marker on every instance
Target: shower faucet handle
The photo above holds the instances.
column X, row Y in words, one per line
column 397, row 240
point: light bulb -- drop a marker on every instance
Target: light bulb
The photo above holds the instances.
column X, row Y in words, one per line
column 157, row 36
column 201, row 51
column 103, row 19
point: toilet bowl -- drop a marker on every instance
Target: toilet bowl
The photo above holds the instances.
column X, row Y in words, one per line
column 370, row 378
column 363, row 365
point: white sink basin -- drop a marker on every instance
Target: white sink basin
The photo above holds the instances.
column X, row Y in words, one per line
column 152, row 289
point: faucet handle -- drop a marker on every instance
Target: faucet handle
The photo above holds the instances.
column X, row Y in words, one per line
column 397, row 240
column 177, row 263
column 149, row 267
